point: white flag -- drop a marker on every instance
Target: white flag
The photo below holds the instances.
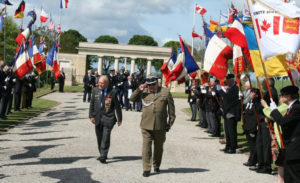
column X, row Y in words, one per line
column 277, row 34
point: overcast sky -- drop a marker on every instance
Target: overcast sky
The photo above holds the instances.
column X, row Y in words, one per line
column 161, row 19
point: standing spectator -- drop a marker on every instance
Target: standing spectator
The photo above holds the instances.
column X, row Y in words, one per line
column 18, row 93
column 26, row 90
column 61, row 80
column 32, row 89
column 232, row 113
column 4, row 79
column 112, row 78
column 121, row 78
column 53, row 80
column 129, row 88
column 88, row 83
column 192, row 99
column 97, row 77
column 140, row 81
column 246, row 93
column 11, row 88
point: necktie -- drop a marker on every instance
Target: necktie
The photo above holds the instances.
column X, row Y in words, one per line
column 102, row 99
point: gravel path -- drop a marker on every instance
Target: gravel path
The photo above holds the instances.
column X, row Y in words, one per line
column 60, row 146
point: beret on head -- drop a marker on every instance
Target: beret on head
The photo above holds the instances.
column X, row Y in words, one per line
column 289, row 90
column 230, row 76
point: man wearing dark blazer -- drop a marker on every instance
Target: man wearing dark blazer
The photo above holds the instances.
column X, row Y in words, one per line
column 232, row 113
column 104, row 107
column 88, row 83
column 290, row 125
column 61, row 80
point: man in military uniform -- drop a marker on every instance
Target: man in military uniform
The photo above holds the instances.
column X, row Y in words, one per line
column 158, row 106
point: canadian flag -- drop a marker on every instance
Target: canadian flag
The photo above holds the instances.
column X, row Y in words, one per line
column 194, row 35
column 23, row 64
column 216, row 56
column 200, row 10
column 276, row 33
column 44, row 16
column 23, row 36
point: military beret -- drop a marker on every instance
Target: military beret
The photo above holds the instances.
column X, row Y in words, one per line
column 230, row 76
column 112, row 70
column 289, row 90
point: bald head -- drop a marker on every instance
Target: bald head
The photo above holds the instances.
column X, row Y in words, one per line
column 103, row 82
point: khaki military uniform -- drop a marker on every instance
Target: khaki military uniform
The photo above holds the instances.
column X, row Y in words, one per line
column 158, row 112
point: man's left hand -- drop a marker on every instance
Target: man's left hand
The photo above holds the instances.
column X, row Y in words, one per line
column 119, row 123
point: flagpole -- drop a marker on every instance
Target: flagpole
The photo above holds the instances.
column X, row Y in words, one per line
column 4, row 27
column 265, row 73
column 194, row 23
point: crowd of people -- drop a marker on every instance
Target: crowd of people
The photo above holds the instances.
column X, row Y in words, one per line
column 270, row 131
column 124, row 83
column 13, row 88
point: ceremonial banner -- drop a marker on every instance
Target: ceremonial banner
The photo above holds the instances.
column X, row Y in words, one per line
column 167, row 66
column 277, row 34
column 200, row 10
column 213, row 25
column 23, row 63
column 52, row 60
column 275, row 66
column 23, row 36
column 237, row 36
column 20, row 11
column 194, row 35
column 216, row 56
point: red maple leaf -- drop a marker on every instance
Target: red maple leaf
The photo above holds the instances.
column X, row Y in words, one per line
column 265, row 26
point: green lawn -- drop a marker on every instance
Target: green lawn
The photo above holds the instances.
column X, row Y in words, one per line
column 38, row 106
column 179, row 95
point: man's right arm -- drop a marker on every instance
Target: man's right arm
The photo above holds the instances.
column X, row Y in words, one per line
column 92, row 109
column 136, row 95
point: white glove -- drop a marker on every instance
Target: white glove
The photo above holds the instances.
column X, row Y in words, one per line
column 222, row 87
column 240, row 95
column 213, row 93
column 203, row 91
column 273, row 105
column 5, row 87
column 14, row 80
column 6, row 79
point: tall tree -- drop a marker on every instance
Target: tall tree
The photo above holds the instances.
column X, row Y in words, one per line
column 69, row 40
column 11, row 32
column 107, row 61
column 142, row 40
column 172, row 44
column 49, row 36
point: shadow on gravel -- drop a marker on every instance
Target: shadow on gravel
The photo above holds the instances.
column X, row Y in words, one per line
column 52, row 161
column 184, row 170
column 2, row 176
column 49, row 139
column 74, row 175
column 50, row 122
column 124, row 158
column 32, row 152
column 35, row 133
column 206, row 138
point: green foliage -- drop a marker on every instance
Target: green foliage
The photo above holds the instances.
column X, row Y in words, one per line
column 45, row 78
column 107, row 39
column 142, row 40
column 69, row 40
column 49, row 36
column 172, row 44
column 11, row 32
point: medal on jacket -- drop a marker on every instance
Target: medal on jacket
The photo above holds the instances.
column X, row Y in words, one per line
column 107, row 104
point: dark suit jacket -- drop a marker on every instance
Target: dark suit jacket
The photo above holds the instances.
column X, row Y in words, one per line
column 87, row 81
column 231, row 102
column 127, row 87
column 105, row 115
column 290, row 124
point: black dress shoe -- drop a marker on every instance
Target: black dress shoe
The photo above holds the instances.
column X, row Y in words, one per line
column 248, row 164
column 256, row 168
column 225, row 149
column 146, row 173
column 156, row 170
column 214, row 135
column 265, row 170
column 102, row 160
column 230, row 151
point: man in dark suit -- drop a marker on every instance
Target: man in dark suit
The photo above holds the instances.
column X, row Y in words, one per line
column 129, row 88
column 104, row 107
column 18, row 93
column 61, row 80
column 232, row 113
column 290, row 131
column 88, row 83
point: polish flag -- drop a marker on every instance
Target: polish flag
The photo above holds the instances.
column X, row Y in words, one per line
column 23, row 36
column 23, row 64
column 194, row 35
column 216, row 56
column 200, row 10
column 44, row 16
column 237, row 36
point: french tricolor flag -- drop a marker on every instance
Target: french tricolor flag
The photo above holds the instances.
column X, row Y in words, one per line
column 216, row 56
column 52, row 60
column 23, row 64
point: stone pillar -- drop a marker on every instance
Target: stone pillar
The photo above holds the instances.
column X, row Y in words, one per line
column 117, row 64
column 125, row 63
column 100, row 65
column 132, row 66
column 149, row 64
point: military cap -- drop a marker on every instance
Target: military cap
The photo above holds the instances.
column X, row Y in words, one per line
column 289, row 90
column 151, row 79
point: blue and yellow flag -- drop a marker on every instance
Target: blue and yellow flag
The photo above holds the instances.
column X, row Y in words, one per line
column 275, row 66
